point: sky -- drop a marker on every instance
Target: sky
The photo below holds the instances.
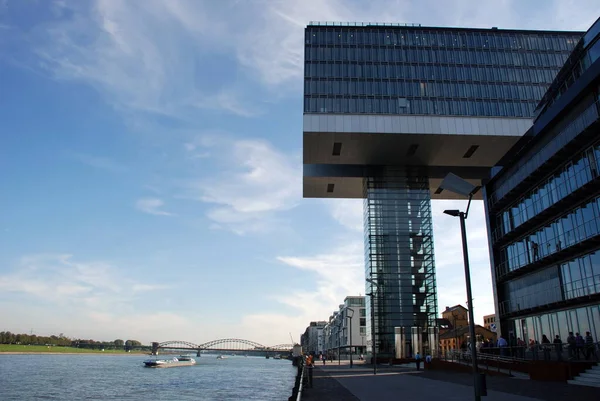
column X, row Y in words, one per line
column 151, row 171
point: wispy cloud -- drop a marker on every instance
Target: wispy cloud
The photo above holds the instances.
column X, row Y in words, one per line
column 102, row 163
column 258, row 181
column 63, row 280
column 336, row 274
column 152, row 206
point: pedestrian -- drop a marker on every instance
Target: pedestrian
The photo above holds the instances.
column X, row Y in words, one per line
column 418, row 360
column 324, row 359
column 571, row 345
column 502, row 344
column 558, row 347
column 428, row 362
column 546, row 347
column 590, row 347
column 521, row 348
column 579, row 343
column 534, row 247
column 533, row 348
column 310, row 365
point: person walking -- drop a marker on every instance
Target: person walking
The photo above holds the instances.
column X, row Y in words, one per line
column 418, row 360
column 558, row 347
column 590, row 347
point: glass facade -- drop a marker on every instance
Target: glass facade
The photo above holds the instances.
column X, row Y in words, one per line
column 543, row 213
column 407, row 70
column 398, row 254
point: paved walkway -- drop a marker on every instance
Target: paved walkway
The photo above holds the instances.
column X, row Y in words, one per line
column 340, row 383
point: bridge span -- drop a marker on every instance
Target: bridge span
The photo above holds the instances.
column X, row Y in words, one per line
column 222, row 345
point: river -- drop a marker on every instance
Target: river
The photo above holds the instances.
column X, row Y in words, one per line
column 123, row 377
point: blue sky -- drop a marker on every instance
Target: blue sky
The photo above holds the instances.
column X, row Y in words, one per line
column 150, row 164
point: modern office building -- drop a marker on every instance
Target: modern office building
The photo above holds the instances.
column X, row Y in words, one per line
column 543, row 210
column 389, row 110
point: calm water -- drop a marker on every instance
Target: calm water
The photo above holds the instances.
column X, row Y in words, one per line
column 109, row 377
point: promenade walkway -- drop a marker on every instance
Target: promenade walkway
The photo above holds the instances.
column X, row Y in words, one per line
column 340, row 383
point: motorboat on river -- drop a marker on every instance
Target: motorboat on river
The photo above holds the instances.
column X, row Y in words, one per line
column 182, row 360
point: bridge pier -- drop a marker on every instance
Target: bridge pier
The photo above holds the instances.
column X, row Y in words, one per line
column 154, row 348
column 198, row 354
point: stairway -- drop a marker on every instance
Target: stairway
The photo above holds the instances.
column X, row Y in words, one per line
column 590, row 377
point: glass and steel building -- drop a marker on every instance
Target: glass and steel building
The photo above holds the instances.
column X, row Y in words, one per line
column 543, row 209
column 389, row 110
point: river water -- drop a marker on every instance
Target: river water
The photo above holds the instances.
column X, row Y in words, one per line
column 123, row 377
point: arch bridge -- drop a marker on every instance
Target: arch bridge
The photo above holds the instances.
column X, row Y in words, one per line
column 221, row 345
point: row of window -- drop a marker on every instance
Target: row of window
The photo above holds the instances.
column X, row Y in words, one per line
column 572, row 228
column 429, row 72
column 520, row 58
column 449, row 90
column 539, row 288
column 480, row 108
column 529, row 163
column 439, row 38
column 586, row 60
column 576, row 172
column 576, row 278
column 560, row 323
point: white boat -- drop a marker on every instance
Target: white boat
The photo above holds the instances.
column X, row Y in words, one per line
column 276, row 356
column 221, row 357
column 182, row 360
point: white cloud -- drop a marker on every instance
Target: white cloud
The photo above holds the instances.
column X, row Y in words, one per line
column 335, row 274
column 101, row 163
column 258, row 181
column 347, row 212
column 144, row 60
column 59, row 279
column 152, row 206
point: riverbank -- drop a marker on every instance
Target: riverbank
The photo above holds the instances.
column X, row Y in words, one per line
column 13, row 349
column 75, row 353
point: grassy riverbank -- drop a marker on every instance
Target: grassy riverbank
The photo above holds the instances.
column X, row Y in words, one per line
column 43, row 349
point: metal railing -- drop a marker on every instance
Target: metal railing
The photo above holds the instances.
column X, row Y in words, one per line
column 525, row 354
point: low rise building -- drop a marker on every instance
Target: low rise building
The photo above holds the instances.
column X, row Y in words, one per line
column 489, row 322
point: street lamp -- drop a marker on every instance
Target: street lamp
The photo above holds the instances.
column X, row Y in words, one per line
column 454, row 183
column 349, row 315
column 374, row 343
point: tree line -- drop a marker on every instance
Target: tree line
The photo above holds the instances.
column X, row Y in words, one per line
column 6, row 337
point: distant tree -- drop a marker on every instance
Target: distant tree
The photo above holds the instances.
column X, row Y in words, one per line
column 119, row 343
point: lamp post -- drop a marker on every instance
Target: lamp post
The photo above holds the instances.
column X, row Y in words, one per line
column 374, row 343
column 459, row 186
column 349, row 316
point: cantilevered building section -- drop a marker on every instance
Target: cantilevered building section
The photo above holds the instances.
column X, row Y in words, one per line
column 389, row 110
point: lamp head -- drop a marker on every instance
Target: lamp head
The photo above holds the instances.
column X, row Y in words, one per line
column 456, row 184
column 453, row 212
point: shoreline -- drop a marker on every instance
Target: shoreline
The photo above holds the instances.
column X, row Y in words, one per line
column 72, row 353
